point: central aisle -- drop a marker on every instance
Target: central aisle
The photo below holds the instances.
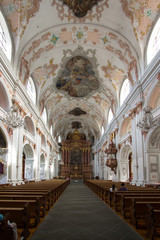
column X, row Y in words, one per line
column 80, row 215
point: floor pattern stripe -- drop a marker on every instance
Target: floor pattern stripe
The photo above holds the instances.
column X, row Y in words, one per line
column 80, row 215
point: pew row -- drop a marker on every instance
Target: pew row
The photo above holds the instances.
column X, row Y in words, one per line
column 153, row 223
column 33, row 208
column 139, row 212
column 21, row 217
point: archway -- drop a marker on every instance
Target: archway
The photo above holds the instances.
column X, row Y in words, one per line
column 153, row 156
column 3, row 157
column 28, row 162
column 130, row 167
column 23, row 165
column 126, row 164
column 42, row 167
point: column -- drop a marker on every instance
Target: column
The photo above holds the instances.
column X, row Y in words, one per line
column 19, row 155
column 47, row 168
column 63, row 158
column 37, row 156
column 82, row 157
column 68, row 158
column 14, row 145
column 140, row 153
column 88, row 156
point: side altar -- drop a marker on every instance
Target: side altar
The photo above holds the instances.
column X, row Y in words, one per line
column 76, row 156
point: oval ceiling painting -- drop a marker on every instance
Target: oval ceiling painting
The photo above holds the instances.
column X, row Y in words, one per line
column 78, row 78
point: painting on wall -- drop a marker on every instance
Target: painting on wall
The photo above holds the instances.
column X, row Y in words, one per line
column 78, row 78
column 76, row 156
column 1, row 168
column 3, row 143
column 76, row 125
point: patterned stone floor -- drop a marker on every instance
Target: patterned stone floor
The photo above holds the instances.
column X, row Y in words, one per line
column 80, row 215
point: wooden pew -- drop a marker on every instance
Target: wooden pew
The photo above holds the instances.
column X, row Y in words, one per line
column 126, row 202
column 45, row 194
column 42, row 200
column 152, row 223
column 139, row 212
column 33, row 208
column 118, row 196
column 21, row 217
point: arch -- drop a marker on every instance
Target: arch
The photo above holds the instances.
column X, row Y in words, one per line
column 29, row 125
column 125, row 90
column 29, row 160
column 125, row 168
column 154, row 98
column 102, row 131
column 153, row 156
column 5, row 38
column 154, row 42
column 51, row 130
column 42, row 166
column 31, row 89
column 125, row 127
column 5, row 154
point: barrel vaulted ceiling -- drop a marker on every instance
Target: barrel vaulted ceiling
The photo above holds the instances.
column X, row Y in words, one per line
column 78, row 64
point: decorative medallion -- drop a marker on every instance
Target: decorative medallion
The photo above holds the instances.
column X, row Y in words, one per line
column 80, row 7
column 77, row 112
column 78, row 78
column 76, row 125
column 54, row 39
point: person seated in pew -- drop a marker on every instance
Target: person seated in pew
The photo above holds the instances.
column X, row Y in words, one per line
column 113, row 188
column 8, row 231
column 123, row 188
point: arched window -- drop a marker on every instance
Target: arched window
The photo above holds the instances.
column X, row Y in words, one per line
column 102, row 130
column 51, row 130
column 31, row 90
column 44, row 115
column 59, row 139
column 110, row 116
column 154, row 42
column 5, row 40
column 124, row 91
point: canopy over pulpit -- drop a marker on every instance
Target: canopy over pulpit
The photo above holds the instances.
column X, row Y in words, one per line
column 76, row 156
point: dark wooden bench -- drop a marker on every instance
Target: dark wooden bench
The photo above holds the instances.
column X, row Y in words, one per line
column 21, row 217
column 139, row 212
column 152, row 223
column 118, row 196
column 25, row 193
column 126, row 202
column 33, row 208
column 42, row 200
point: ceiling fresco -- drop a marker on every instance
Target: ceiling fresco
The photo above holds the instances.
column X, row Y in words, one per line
column 77, row 112
column 78, row 78
column 80, row 8
column 78, row 55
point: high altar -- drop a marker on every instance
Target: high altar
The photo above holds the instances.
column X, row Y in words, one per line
column 76, row 157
